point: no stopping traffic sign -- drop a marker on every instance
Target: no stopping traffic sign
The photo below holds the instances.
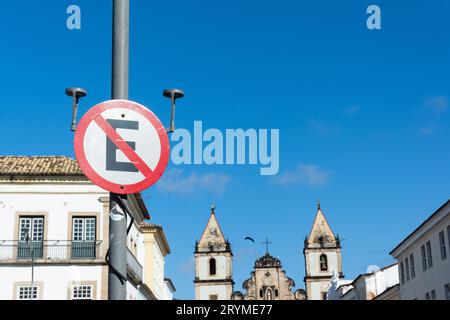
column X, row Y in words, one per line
column 121, row 146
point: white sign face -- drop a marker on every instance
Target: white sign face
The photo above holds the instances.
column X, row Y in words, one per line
column 121, row 146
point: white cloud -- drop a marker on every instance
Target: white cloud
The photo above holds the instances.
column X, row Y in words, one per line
column 355, row 109
column 305, row 174
column 439, row 104
column 188, row 267
column 177, row 182
column 426, row 130
column 323, row 128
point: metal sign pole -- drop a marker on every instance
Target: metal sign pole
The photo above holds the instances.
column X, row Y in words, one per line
column 117, row 216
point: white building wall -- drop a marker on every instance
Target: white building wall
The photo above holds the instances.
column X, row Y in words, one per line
column 56, row 199
column 317, row 288
column 158, row 273
column 207, row 290
column 56, row 279
column 135, row 244
column 168, row 294
column 132, row 292
column 434, row 278
column 385, row 279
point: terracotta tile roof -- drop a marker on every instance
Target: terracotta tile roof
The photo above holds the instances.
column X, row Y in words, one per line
column 39, row 166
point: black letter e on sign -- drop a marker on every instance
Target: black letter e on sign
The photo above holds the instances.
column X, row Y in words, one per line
column 111, row 149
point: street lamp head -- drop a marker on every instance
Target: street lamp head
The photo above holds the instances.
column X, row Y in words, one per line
column 76, row 94
column 173, row 95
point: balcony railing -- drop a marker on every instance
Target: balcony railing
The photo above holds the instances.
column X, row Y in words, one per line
column 134, row 265
column 50, row 250
column 25, row 250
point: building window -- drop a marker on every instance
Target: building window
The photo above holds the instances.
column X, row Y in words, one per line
column 84, row 237
column 212, row 267
column 27, row 293
column 323, row 263
column 424, row 258
column 442, row 245
column 31, row 237
column 413, row 268
column 402, row 272
column 429, row 255
column 213, row 297
column 82, row 292
column 447, row 291
column 433, row 294
column 407, row 269
column 448, row 237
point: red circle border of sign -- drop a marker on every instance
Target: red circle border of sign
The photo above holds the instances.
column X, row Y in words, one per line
column 92, row 175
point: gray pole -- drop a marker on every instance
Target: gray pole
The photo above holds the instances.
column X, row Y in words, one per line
column 32, row 269
column 117, row 216
column 121, row 45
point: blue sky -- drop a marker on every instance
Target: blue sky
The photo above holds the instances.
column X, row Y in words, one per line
column 362, row 114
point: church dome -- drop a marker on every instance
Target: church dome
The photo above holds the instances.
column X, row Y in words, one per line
column 267, row 261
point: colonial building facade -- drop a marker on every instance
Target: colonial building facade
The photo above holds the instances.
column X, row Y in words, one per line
column 424, row 259
column 213, row 263
column 54, row 235
column 268, row 281
column 322, row 251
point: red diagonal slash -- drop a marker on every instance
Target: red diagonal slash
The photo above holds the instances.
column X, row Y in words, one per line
column 123, row 146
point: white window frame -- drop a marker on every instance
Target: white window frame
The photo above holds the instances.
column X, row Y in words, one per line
column 413, row 267
column 34, row 225
column 424, row 258
column 407, row 269
column 442, row 245
column 32, row 293
column 83, row 234
column 429, row 255
column 83, row 290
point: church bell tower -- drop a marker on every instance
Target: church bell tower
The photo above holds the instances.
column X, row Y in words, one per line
column 322, row 253
column 213, row 263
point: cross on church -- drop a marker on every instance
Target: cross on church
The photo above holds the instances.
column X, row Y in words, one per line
column 267, row 242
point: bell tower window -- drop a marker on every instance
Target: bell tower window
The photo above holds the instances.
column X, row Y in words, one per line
column 212, row 267
column 323, row 263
